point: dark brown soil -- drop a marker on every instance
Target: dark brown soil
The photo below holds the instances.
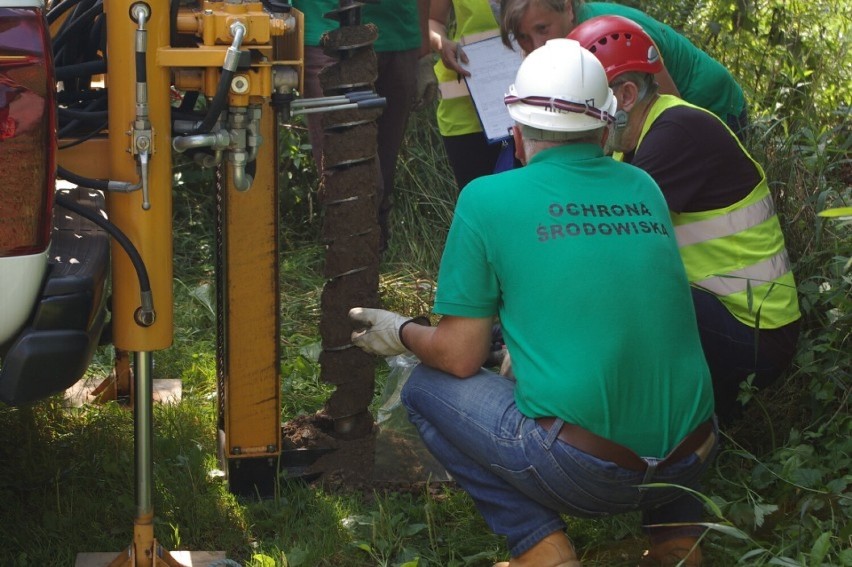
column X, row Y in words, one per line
column 348, row 188
column 384, row 459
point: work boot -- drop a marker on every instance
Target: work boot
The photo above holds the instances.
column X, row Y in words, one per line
column 554, row 550
column 680, row 551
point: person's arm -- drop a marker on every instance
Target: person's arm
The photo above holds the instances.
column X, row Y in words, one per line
column 457, row 345
column 450, row 51
column 423, row 7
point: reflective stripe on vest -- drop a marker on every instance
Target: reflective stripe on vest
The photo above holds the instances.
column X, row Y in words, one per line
column 731, row 223
column 752, row 276
column 736, row 252
column 453, row 89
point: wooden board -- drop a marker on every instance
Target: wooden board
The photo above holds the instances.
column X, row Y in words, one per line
column 187, row 558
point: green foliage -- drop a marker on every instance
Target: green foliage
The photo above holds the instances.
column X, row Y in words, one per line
column 779, row 492
column 298, row 181
column 789, row 501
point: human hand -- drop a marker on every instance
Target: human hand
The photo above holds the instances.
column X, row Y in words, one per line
column 427, row 82
column 495, row 9
column 453, row 57
column 382, row 334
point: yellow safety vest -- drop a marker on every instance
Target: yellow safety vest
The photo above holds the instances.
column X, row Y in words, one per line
column 456, row 113
column 736, row 252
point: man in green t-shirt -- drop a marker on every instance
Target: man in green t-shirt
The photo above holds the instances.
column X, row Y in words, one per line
column 403, row 38
column 576, row 255
column 688, row 72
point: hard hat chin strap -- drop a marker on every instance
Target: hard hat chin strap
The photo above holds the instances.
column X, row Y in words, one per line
column 558, row 104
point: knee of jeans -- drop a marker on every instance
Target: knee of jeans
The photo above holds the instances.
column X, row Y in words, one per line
column 408, row 393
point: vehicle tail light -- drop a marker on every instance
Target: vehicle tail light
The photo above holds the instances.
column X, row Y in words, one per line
column 27, row 132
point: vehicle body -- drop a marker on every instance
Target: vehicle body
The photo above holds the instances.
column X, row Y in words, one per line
column 54, row 265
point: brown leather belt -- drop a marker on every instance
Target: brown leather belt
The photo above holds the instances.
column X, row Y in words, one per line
column 607, row 450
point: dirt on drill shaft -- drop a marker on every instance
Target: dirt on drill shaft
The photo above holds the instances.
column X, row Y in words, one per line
column 348, row 187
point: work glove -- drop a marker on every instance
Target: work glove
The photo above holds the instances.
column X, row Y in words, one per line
column 382, row 334
column 427, row 82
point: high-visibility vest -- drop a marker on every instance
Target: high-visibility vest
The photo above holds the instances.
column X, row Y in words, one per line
column 737, row 252
column 456, row 113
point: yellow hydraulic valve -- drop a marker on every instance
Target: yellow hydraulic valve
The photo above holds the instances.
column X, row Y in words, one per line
column 212, row 22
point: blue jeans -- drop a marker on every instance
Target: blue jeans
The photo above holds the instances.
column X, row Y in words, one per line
column 734, row 351
column 521, row 477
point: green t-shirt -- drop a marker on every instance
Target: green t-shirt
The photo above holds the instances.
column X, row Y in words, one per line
column 701, row 80
column 397, row 20
column 576, row 254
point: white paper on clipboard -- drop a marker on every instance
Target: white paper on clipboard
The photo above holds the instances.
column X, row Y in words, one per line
column 492, row 68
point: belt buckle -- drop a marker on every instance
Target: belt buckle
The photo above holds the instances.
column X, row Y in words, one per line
column 703, row 451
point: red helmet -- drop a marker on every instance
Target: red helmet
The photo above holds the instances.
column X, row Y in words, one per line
column 621, row 45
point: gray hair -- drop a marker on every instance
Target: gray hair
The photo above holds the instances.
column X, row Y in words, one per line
column 531, row 133
column 512, row 12
column 646, row 82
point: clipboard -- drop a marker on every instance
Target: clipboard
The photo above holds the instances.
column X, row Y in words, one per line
column 492, row 67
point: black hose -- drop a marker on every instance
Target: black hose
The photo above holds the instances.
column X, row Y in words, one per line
column 85, row 69
column 64, row 97
column 120, row 237
column 174, row 6
column 60, row 8
column 70, row 126
column 141, row 67
column 83, row 20
column 87, row 136
column 99, row 184
column 188, row 103
column 84, row 115
column 218, row 103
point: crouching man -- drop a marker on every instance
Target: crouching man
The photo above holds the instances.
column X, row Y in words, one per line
column 577, row 256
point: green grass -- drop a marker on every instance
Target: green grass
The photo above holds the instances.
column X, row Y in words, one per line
column 778, row 494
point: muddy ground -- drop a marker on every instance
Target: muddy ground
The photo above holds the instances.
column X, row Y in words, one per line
column 384, row 459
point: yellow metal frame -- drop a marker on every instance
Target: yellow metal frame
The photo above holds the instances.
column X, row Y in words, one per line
column 250, row 223
column 151, row 230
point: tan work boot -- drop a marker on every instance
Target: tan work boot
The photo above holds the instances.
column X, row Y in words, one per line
column 680, row 551
column 555, row 550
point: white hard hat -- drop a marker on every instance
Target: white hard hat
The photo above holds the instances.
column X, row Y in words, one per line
column 561, row 87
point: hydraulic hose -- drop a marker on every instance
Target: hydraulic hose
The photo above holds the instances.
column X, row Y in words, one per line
column 66, row 128
column 146, row 315
column 232, row 58
column 98, row 129
column 174, row 7
column 99, row 184
column 79, row 22
column 86, row 69
column 217, row 105
column 57, row 10
column 84, row 115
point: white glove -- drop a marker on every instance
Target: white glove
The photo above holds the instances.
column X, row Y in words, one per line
column 427, row 82
column 382, row 332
